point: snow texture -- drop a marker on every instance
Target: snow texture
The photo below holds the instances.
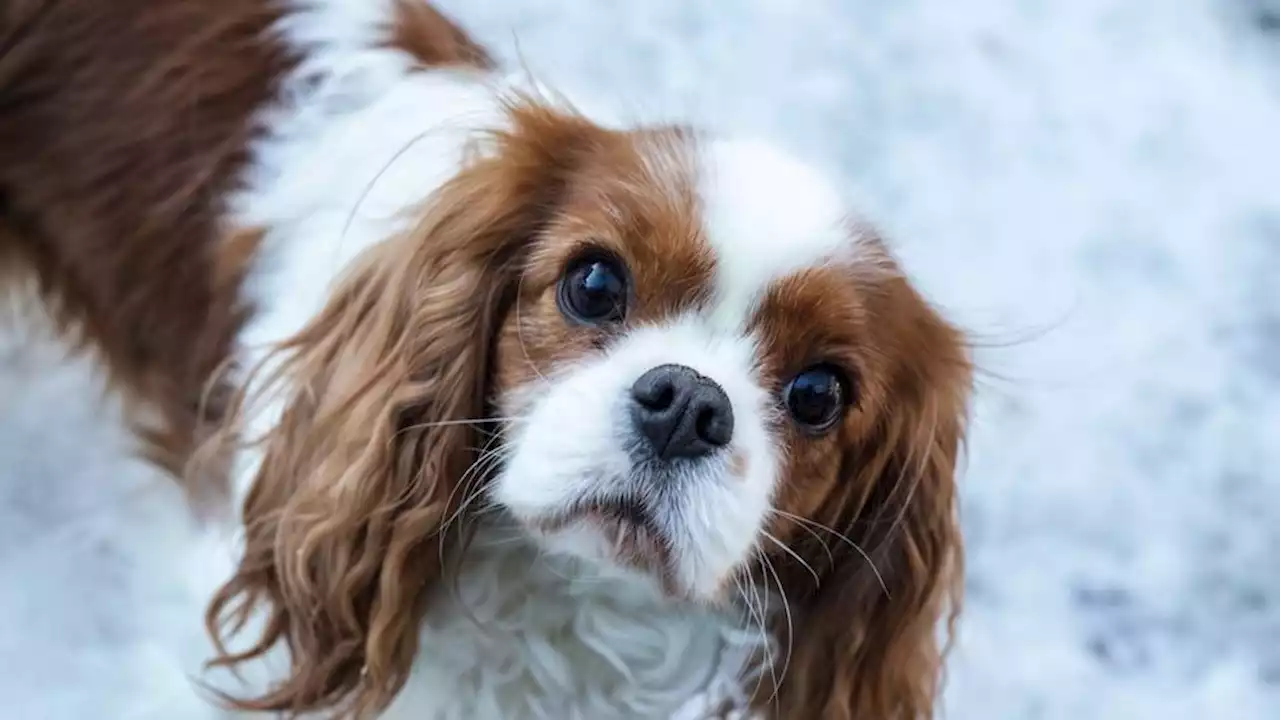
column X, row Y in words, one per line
column 1091, row 187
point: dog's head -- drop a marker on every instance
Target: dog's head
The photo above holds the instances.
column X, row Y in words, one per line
column 652, row 348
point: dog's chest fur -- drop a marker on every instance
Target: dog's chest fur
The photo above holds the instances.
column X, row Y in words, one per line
column 528, row 635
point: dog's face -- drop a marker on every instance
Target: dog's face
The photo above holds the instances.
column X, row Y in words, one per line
column 699, row 368
column 687, row 353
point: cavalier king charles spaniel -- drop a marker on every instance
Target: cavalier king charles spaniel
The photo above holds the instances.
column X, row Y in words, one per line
column 491, row 406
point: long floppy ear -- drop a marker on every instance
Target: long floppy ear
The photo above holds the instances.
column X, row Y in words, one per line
column 342, row 524
column 867, row 642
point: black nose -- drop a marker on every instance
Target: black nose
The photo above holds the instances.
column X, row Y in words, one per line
column 681, row 413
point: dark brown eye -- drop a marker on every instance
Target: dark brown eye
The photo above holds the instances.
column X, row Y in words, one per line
column 816, row 398
column 593, row 290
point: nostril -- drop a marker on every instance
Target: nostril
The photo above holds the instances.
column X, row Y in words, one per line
column 680, row 413
column 714, row 427
column 656, row 396
column 662, row 387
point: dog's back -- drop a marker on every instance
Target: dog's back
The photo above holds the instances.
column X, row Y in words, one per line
column 123, row 125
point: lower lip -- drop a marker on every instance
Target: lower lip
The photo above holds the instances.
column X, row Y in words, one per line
column 634, row 539
column 600, row 514
column 620, row 529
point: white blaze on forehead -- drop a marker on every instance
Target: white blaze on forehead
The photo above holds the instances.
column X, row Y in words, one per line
column 767, row 215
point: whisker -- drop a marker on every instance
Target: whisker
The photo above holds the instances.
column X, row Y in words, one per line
column 474, row 491
column 852, row 544
column 462, row 421
column 742, row 594
column 793, row 554
column 524, row 349
column 474, row 474
column 368, row 188
column 479, row 471
column 469, row 479
column 786, row 607
column 474, row 471
column 756, row 605
column 821, row 542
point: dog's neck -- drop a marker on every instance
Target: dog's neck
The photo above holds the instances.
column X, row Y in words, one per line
column 523, row 633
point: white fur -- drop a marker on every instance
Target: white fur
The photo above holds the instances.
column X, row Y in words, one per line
column 357, row 141
column 538, row 635
column 767, row 216
column 571, row 442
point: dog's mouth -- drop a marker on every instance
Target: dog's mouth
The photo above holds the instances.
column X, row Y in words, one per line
column 624, row 513
column 630, row 530
column 628, row 511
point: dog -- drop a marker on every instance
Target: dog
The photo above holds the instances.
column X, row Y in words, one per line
column 491, row 406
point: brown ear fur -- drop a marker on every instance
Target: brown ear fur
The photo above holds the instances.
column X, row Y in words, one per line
column 343, row 524
column 866, row 642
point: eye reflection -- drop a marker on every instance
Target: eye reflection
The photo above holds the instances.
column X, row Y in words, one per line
column 816, row 398
column 593, row 290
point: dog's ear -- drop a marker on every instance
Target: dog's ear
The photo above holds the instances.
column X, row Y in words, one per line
column 868, row 641
column 373, row 417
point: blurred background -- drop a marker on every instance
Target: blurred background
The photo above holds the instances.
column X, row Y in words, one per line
column 1091, row 187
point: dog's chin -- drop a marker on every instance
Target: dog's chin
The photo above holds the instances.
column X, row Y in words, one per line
column 614, row 534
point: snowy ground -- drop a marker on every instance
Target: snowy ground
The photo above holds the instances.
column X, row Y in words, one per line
column 1092, row 187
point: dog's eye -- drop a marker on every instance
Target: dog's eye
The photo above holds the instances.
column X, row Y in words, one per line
column 816, row 398
column 593, row 290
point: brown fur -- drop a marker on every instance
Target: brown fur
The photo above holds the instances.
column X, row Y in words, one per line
column 876, row 497
column 123, row 128
column 346, row 536
column 375, row 451
column 433, row 39
column 616, row 204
